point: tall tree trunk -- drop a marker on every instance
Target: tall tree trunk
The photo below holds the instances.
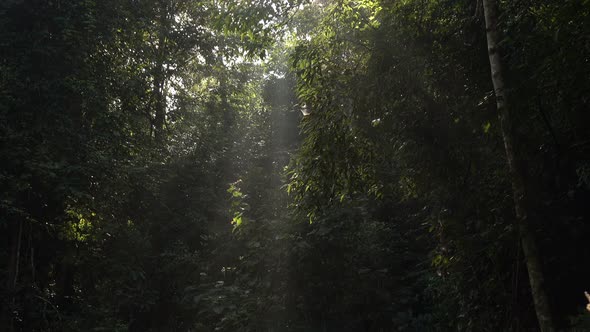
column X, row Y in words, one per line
column 160, row 104
column 528, row 242
column 160, row 74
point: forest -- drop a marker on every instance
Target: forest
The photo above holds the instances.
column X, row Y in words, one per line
column 294, row 165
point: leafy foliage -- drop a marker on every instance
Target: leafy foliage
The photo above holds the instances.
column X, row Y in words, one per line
column 155, row 178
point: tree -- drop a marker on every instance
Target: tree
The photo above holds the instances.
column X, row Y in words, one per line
column 520, row 192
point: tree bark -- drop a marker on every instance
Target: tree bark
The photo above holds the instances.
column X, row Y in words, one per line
column 520, row 194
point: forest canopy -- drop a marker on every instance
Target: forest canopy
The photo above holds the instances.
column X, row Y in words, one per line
column 294, row 165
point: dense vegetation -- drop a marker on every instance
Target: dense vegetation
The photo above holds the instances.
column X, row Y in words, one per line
column 231, row 165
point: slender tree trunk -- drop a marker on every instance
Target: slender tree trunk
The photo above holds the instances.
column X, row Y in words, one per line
column 528, row 242
column 160, row 75
column 160, row 104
